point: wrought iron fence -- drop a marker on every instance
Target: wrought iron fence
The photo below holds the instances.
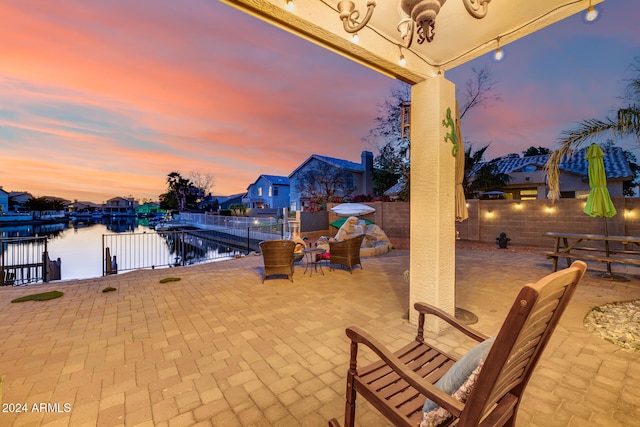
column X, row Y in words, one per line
column 172, row 248
column 25, row 260
column 133, row 251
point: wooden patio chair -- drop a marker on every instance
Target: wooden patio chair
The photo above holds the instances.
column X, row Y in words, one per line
column 346, row 252
column 494, row 378
column 278, row 258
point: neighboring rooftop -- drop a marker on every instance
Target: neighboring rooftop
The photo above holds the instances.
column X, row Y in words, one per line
column 616, row 164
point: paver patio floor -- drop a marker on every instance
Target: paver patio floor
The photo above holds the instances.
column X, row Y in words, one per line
column 219, row 347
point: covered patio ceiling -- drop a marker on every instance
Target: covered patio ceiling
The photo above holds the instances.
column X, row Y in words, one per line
column 458, row 36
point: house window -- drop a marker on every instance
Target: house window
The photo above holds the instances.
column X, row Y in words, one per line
column 528, row 194
column 259, row 191
column 275, row 191
column 270, row 191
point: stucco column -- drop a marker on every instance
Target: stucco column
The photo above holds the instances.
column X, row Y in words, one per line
column 432, row 256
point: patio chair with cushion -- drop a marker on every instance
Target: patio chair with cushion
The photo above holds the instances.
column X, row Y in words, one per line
column 422, row 385
column 346, row 252
column 278, row 258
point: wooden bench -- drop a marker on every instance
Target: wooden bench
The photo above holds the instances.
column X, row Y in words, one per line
column 399, row 382
column 588, row 257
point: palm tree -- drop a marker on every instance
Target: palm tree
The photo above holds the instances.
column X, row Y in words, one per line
column 480, row 175
column 626, row 123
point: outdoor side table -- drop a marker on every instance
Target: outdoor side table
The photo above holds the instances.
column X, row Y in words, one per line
column 311, row 255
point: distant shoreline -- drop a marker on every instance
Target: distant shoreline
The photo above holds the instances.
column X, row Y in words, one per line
column 12, row 222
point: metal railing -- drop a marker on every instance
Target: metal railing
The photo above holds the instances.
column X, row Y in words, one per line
column 134, row 251
column 25, row 260
column 226, row 222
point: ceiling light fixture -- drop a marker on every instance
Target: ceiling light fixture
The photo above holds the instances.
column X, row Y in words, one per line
column 418, row 15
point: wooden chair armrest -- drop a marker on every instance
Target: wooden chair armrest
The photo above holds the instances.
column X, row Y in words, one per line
column 360, row 336
column 470, row 332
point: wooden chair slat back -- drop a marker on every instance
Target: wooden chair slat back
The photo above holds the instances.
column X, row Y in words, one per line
column 521, row 340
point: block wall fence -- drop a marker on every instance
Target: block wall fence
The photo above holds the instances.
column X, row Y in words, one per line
column 392, row 217
column 523, row 221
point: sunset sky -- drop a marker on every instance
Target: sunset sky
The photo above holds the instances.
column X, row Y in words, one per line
column 104, row 98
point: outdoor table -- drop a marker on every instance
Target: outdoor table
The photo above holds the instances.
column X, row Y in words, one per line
column 566, row 245
column 311, row 255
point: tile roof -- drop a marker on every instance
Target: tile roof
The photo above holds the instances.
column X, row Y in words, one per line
column 395, row 189
column 276, row 179
column 345, row 164
column 615, row 163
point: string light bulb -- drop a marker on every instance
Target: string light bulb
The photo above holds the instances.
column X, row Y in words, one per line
column 499, row 54
column 592, row 13
column 402, row 61
column 289, row 6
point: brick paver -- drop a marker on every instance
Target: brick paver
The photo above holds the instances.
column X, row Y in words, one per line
column 221, row 348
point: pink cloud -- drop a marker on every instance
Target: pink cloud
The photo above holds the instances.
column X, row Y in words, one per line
column 114, row 95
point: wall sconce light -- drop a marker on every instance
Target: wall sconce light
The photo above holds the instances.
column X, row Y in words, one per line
column 499, row 54
column 518, row 205
column 418, row 15
column 628, row 213
column 592, row 13
column 549, row 209
column 289, row 6
column 489, row 213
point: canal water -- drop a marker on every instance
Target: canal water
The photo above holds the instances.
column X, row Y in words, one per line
column 78, row 244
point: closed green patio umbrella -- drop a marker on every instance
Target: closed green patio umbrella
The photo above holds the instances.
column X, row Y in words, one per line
column 599, row 202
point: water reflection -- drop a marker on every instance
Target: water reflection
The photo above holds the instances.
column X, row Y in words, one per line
column 33, row 230
column 79, row 245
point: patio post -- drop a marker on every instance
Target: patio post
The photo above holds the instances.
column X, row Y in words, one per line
column 432, row 247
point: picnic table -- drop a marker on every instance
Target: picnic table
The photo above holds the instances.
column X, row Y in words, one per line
column 597, row 247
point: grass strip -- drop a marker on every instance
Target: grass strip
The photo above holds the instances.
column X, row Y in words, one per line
column 40, row 297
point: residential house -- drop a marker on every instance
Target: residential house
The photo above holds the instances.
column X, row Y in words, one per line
column 528, row 179
column 120, row 206
column 228, row 201
column 149, row 209
column 17, row 199
column 78, row 208
column 268, row 192
column 393, row 192
column 360, row 182
column 4, row 201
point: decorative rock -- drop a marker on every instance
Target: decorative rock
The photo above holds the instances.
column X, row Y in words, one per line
column 617, row 322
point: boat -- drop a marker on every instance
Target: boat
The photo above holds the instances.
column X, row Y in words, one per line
column 352, row 209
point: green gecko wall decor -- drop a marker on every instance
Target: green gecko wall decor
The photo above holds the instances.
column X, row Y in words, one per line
column 449, row 122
